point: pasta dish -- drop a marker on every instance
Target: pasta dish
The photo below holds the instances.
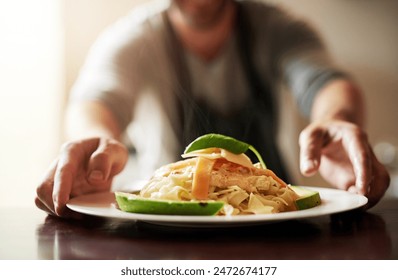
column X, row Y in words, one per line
column 215, row 174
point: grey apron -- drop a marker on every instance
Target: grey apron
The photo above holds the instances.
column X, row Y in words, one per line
column 254, row 123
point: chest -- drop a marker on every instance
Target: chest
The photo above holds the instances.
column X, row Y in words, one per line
column 220, row 84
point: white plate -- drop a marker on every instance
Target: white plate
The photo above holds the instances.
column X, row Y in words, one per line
column 104, row 205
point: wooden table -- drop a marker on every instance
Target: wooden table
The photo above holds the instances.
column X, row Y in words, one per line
column 28, row 233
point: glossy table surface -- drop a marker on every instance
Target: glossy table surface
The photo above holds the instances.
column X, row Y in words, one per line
column 28, row 233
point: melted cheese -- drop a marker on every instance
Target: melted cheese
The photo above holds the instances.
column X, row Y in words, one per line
column 215, row 153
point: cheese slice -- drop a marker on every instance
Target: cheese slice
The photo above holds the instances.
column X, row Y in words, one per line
column 215, row 153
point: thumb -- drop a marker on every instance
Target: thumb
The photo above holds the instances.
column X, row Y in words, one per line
column 311, row 143
column 107, row 160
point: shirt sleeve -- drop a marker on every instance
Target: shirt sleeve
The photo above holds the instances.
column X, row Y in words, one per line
column 109, row 74
column 302, row 61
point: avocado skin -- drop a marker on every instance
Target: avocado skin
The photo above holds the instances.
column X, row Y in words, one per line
column 132, row 204
column 308, row 202
column 308, row 198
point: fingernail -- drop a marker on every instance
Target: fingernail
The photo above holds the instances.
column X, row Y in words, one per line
column 55, row 205
column 362, row 187
column 57, row 210
column 96, row 175
column 352, row 189
column 309, row 165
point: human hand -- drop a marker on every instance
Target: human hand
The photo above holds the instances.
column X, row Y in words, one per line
column 83, row 166
column 340, row 151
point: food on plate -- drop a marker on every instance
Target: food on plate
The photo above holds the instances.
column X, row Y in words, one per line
column 216, row 177
column 307, row 198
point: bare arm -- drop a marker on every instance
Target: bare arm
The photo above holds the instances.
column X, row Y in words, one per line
column 339, row 100
column 90, row 119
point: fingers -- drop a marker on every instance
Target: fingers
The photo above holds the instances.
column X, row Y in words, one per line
column 346, row 148
column 44, row 200
column 311, row 141
column 347, row 158
column 42, row 206
column 108, row 160
column 380, row 181
column 44, row 192
column 355, row 143
column 72, row 159
column 83, row 166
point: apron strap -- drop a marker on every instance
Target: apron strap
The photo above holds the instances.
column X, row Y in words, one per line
column 246, row 41
column 193, row 120
column 265, row 129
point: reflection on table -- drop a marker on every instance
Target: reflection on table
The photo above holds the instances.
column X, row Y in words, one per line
column 351, row 235
column 28, row 233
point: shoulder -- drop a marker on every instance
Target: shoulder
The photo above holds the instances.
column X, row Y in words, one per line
column 276, row 23
column 275, row 18
column 262, row 13
column 141, row 19
column 132, row 32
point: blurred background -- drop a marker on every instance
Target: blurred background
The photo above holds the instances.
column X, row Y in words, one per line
column 43, row 44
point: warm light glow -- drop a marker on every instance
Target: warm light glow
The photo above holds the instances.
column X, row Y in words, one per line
column 31, row 88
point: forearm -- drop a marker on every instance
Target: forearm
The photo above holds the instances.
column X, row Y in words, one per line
column 90, row 119
column 339, row 100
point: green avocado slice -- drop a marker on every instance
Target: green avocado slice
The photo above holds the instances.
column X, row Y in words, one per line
column 132, row 203
column 307, row 198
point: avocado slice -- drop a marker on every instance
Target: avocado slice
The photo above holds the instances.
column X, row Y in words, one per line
column 307, row 198
column 133, row 203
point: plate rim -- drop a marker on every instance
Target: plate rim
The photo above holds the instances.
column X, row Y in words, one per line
column 107, row 209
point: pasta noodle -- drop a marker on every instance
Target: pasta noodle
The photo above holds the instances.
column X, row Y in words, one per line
column 243, row 189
